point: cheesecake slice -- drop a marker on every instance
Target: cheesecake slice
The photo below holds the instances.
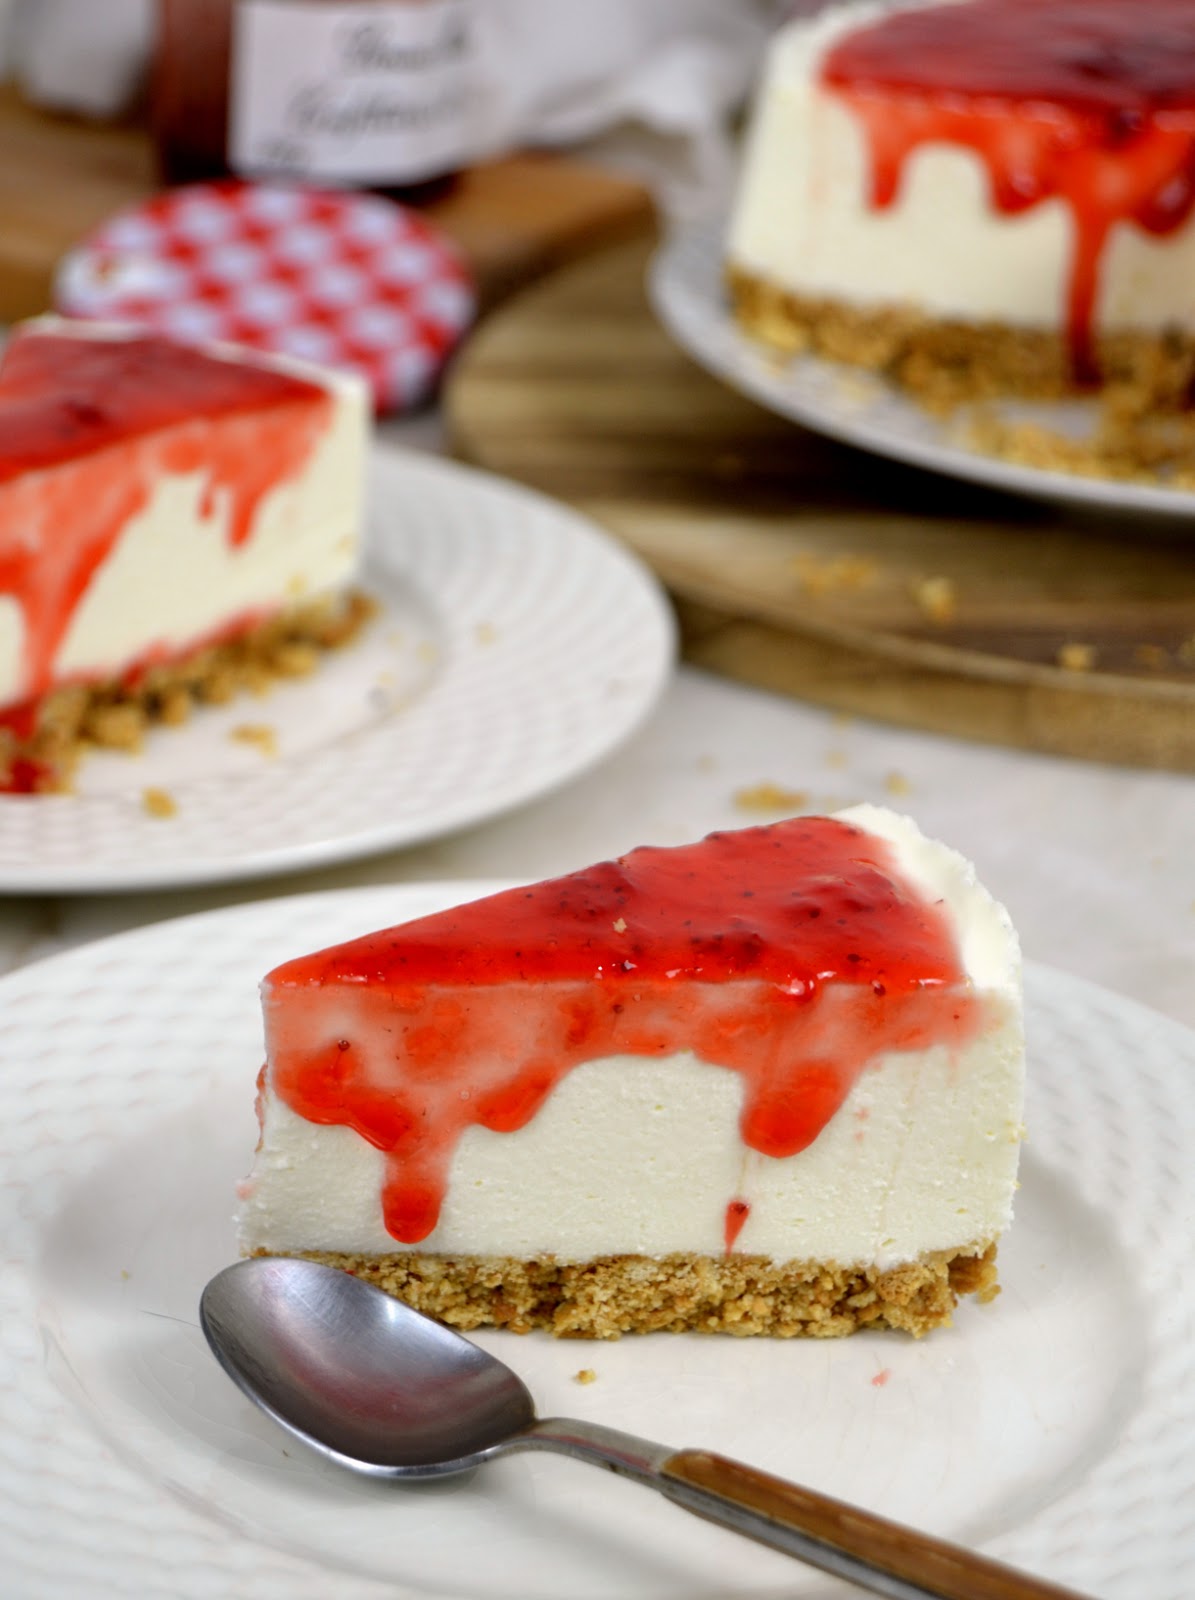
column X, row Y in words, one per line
column 978, row 197
column 770, row 1083
column 174, row 522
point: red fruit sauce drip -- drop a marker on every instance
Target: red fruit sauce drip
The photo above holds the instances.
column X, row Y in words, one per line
column 1091, row 102
column 25, row 777
column 111, row 417
column 794, row 955
column 737, row 1212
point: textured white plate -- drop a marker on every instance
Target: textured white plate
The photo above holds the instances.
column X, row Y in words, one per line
column 1055, row 1427
column 516, row 646
column 686, row 290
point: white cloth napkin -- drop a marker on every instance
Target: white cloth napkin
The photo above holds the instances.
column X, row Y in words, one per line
column 80, row 56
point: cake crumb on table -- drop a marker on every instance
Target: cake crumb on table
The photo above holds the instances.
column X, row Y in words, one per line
column 259, row 734
column 586, row 1375
column 832, row 575
column 159, row 803
column 936, row 598
column 1077, row 657
column 896, row 783
column 770, row 797
column 1150, row 655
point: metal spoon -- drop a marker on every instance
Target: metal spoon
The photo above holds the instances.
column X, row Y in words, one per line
column 384, row 1390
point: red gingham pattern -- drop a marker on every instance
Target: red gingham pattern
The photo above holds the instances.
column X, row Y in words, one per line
column 343, row 279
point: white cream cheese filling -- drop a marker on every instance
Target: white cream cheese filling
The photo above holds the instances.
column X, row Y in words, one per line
column 642, row 1156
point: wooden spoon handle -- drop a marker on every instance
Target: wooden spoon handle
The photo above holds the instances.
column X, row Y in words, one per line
column 882, row 1556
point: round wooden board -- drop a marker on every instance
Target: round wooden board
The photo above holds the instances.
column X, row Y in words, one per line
column 807, row 567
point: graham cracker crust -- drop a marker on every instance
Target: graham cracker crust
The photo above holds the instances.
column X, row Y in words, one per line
column 741, row 1295
column 116, row 713
column 1146, row 422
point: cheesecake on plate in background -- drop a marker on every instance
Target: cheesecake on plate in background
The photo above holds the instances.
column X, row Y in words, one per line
column 176, row 524
column 978, row 197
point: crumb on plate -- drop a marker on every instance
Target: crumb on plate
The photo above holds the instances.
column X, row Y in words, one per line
column 159, row 803
column 259, row 734
column 770, row 797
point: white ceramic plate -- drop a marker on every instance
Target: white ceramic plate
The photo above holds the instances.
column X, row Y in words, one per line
column 516, row 646
column 686, row 290
column 1053, row 1428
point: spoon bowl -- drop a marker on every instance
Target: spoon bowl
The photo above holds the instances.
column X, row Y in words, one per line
column 384, row 1390
column 318, row 1350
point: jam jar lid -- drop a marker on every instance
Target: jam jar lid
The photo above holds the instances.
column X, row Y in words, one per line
column 343, row 279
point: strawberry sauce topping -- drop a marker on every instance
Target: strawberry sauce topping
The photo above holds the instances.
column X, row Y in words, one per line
column 112, row 417
column 794, row 955
column 737, row 1212
column 1090, row 102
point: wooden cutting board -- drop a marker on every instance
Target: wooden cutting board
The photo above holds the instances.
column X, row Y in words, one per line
column 807, row 567
column 514, row 218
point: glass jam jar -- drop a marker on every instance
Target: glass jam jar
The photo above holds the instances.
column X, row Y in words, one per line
column 370, row 93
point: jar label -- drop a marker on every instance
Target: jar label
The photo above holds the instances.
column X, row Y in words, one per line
column 359, row 93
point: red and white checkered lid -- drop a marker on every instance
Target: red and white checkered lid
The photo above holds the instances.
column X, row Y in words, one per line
column 344, row 279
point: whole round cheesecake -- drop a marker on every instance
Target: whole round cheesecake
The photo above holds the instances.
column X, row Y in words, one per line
column 978, row 196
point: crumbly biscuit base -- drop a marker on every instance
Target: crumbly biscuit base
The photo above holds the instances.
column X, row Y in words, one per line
column 116, row 714
column 1146, row 424
column 946, row 363
column 743, row 1295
